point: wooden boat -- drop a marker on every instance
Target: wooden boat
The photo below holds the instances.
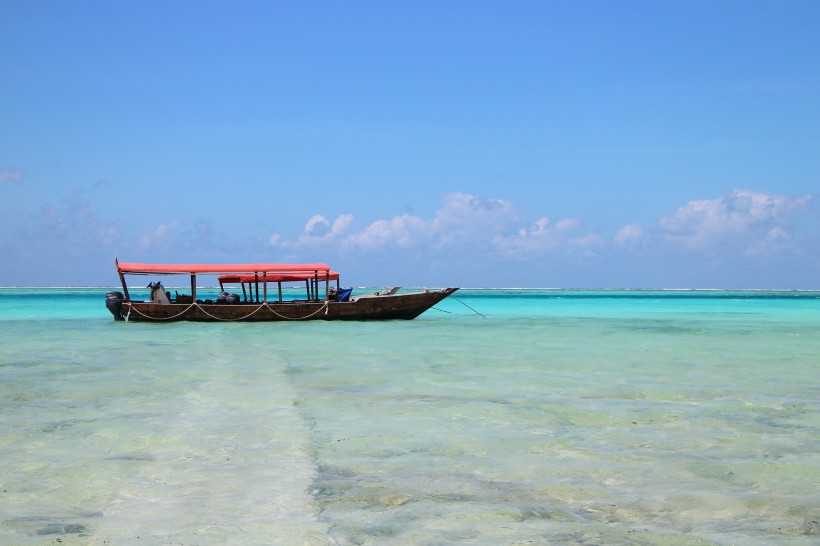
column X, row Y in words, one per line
column 259, row 301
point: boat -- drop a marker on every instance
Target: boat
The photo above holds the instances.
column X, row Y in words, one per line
column 262, row 297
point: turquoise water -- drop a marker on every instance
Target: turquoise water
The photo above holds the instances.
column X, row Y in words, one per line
column 559, row 417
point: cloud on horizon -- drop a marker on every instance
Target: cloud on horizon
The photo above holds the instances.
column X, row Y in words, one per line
column 70, row 223
column 742, row 222
column 464, row 230
column 463, row 223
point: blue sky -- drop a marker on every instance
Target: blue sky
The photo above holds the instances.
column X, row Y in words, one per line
column 478, row 144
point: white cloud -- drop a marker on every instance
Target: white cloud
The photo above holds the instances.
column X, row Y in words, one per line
column 11, row 175
column 317, row 226
column 567, row 224
column 463, row 222
column 159, row 236
column 630, row 235
column 69, row 226
column 542, row 236
column 462, row 212
column 465, row 227
column 464, row 230
column 318, row 231
column 463, row 219
column 773, row 241
column 400, row 231
column 108, row 235
column 341, row 224
column 742, row 220
column 163, row 230
column 588, row 241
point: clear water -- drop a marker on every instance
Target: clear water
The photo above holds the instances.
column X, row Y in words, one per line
column 559, row 417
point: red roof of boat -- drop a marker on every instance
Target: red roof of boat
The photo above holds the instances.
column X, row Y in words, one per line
column 178, row 269
column 279, row 277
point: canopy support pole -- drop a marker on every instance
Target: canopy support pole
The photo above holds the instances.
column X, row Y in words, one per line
column 124, row 287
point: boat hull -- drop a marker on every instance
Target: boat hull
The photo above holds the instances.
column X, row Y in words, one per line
column 371, row 307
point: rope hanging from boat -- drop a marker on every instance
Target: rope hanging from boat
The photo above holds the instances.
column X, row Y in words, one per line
column 131, row 308
column 324, row 307
column 249, row 315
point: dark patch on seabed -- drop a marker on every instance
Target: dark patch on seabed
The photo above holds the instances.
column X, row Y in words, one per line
column 61, row 529
column 51, row 525
column 61, row 425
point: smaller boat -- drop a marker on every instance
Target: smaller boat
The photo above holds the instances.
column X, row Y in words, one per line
column 262, row 297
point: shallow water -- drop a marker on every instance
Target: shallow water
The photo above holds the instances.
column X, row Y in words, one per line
column 559, row 417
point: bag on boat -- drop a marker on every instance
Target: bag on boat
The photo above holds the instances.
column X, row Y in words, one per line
column 225, row 297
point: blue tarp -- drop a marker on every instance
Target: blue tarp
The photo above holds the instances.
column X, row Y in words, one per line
column 344, row 294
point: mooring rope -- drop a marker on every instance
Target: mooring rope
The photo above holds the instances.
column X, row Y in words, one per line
column 468, row 307
column 249, row 315
column 326, row 307
column 131, row 307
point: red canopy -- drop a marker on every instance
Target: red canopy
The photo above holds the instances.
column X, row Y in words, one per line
column 188, row 269
column 279, row 277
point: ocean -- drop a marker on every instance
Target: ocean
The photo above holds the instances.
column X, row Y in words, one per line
column 500, row 417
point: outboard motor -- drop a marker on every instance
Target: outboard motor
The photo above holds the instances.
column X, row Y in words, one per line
column 113, row 301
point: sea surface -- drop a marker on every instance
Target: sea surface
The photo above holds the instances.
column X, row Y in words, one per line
column 501, row 417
